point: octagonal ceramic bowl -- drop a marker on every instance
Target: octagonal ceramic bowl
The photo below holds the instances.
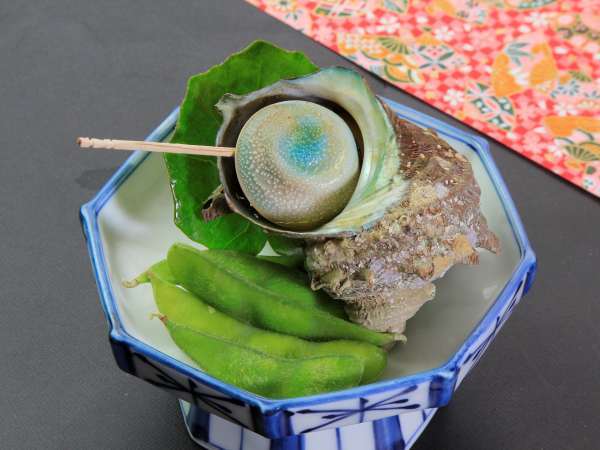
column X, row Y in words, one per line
column 128, row 225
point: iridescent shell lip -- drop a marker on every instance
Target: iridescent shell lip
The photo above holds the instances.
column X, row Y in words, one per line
column 378, row 186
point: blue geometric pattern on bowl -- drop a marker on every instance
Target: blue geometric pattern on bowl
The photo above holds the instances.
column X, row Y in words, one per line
column 275, row 419
column 391, row 433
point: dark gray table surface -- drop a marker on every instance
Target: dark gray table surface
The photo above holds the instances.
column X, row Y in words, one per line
column 116, row 68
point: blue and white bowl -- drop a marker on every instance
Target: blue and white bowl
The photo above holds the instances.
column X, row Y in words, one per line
column 128, row 226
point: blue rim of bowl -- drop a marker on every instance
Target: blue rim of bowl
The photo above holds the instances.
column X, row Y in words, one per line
column 446, row 372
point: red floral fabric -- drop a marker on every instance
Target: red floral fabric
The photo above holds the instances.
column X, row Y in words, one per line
column 524, row 72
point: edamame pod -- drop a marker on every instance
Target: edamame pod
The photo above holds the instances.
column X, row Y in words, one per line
column 277, row 278
column 292, row 262
column 263, row 374
column 183, row 308
column 160, row 269
column 219, row 283
column 271, row 273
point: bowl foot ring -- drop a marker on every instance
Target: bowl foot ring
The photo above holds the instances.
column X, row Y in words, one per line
column 390, row 433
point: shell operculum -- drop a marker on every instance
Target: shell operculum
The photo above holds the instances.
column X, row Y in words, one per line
column 297, row 163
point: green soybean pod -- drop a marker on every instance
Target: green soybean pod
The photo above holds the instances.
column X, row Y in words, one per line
column 183, row 308
column 218, row 283
column 292, row 262
column 263, row 374
column 274, row 277
column 160, row 270
column 273, row 273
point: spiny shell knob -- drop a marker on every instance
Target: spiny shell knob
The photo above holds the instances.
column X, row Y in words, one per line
column 297, row 163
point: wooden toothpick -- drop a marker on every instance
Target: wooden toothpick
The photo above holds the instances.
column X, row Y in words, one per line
column 161, row 147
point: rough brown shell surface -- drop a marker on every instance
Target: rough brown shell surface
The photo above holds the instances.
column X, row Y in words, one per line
column 385, row 274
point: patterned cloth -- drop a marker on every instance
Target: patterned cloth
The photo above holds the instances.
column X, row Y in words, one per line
column 525, row 72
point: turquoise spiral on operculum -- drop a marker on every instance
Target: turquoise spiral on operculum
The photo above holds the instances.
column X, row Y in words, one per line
column 297, row 163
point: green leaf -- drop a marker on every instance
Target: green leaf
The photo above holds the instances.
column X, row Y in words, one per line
column 194, row 178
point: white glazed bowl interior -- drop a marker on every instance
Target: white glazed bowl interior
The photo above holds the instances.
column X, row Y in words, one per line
column 136, row 228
